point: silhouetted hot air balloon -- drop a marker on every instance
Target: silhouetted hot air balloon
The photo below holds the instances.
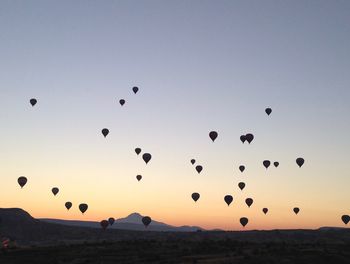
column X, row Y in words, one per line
column 146, row 157
column 249, row 201
column 135, row 89
column 139, row 177
column 55, row 190
column 243, row 221
column 83, row 207
column 300, row 162
column 268, row 111
column 104, row 224
column 241, row 168
column 243, row 138
column 241, row 185
column 105, row 132
column 146, row 220
column 266, row 163
column 213, row 135
column 345, row 219
column 193, row 161
column 122, row 102
column 33, row 101
column 68, row 205
column 276, row 164
column 296, row 210
column 22, row 181
column 199, row 168
column 137, row 151
column 228, row 199
column 195, row 196
column 265, row 210
column 249, row 137
column 111, row 220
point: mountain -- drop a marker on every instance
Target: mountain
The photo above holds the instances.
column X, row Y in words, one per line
column 131, row 222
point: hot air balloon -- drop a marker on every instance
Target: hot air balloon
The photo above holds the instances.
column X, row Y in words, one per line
column 213, row 135
column 265, row 210
column 228, row 199
column 193, row 161
column 300, row 162
column 241, row 168
column 83, row 207
column 146, row 220
column 243, row 221
column 68, row 205
column 296, row 210
column 135, row 89
column 345, row 219
column 105, row 132
column 199, row 168
column 33, row 101
column 139, row 177
column 276, row 164
column 22, row 181
column 137, row 151
column 266, row 163
column 55, row 190
column 146, row 157
column 243, row 138
column 249, row 201
column 241, row 185
column 249, row 137
column 104, row 224
column 111, row 220
column 195, row 196
column 268, row 111
column 122, row 102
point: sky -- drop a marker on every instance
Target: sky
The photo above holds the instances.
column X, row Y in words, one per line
column 200, row 66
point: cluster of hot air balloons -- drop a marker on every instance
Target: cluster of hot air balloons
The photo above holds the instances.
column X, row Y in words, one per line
column 135, row 89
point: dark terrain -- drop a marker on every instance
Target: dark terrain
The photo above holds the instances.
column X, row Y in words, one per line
column 42, row 242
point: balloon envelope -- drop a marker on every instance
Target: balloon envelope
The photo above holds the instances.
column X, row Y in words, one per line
column 228, row 199
column 213, row 135
column 249, row 137
column 135, row 89
column 83, row 207
column 345, row 219
column 265, row 210
column 193, row 161
column 241, row 168
column 146, row 220
column 195, row 196
column 266, row 163
column 146, row 157
column 268, row 111
column 137, row 151
column 68, row 205
column 111, row 220
column 243, row 221
column 105, row 132
column 249, row 201
column 241, row 185
column 22, row 181
column 122, row 102
column 104, row 224
column 296, row 210
column 55, row 190
column 33, row 101
column 276, row 164
column 199, row 168
column 300, row 162
column 243, row 138
column 139, row 177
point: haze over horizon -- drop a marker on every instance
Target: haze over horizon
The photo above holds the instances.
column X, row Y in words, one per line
column 200, row 66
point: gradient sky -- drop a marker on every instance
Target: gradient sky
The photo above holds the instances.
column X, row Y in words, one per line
column 200, row 66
